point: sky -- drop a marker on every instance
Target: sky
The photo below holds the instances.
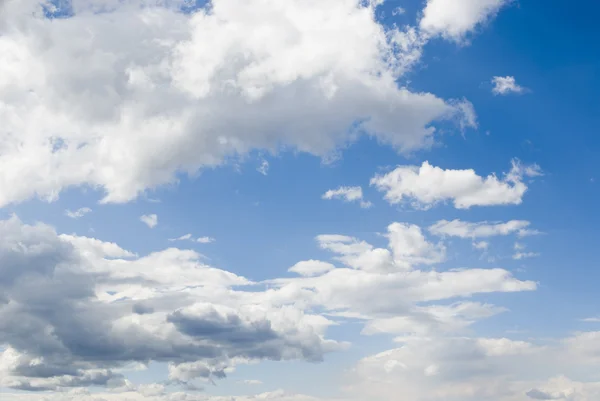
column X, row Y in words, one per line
column 299, row 200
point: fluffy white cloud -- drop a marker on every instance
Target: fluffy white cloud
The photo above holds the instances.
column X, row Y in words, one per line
column 426, row 185
column 454, row 19
column 505, row 86
column 484, row 229
column 311, row 267
column 151, row 220
column 160, row 100
column 474, row 369
column 348, row 194
column 205, row 240
column 75, row 214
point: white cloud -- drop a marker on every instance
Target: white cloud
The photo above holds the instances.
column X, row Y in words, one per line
column 484, row 229
column 525, row 255
column 311, row 268
column 483, row 245
column 454, row 19
column 190, row 237
column 82, row 211
column 263, row 168
column 205, row 240
column 410, row 248
column 427, row 185
column 160, row 98
column 151, row 220
column 184, row 237
column 84, row 314
column 348, row 194
column 505, row 86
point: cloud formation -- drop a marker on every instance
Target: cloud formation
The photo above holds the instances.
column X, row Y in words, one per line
column 151, row 220
column 506, row 85
column 426, row 185
column 348, row 194
column 160, row 98
column 454, row 19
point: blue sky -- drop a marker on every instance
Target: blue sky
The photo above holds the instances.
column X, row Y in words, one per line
column 231, row 123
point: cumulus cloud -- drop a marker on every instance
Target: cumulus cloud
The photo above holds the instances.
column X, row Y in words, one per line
column 151, row 220
column 205, row 240
column 475, row 368
column 74, row 313
column 426, row 185
column 484, row 229
column 348, row 194
column 160, row 98
column 82, row 211
column 505, row 86
column 454, row 19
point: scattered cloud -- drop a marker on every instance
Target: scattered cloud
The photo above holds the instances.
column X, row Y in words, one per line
column 263, row 168
column 505, row 86
column 82, row 211
column 455, row 19
column 185, row 237
column 348, row 194
column 151, row 220
column 525, row 255
column 482, row 245
column 426, row 185
column 205, row 240
column 252, row 382
column 484, row 229
column 190, row 237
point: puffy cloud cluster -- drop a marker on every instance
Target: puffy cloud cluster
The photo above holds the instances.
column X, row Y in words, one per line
column 75, row 311
column 124, row 96
column 506, row 85
column 426, row 185
column 454, row 19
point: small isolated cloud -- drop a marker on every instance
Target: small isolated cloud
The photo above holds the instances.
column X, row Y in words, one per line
column 482, row 245
column 82, row 211
column 505, row 86
column 591, row 320
column 525, row 255
column 252, row 382
column 205, row 240
column 182, row 238
column 398, row 11
column 151, row 220
column 190, row 237
column 348, row 194
column 426, row 185
column 263, row 168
